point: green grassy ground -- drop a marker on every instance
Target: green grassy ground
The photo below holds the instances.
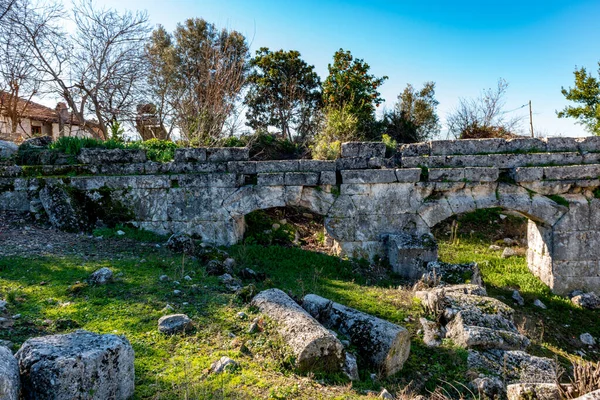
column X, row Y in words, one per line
column 51, row 295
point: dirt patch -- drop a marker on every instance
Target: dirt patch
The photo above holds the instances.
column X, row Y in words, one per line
column 22, row 236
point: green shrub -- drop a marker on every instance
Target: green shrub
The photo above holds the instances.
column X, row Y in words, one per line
column 157, row 150
column 391, row 145
column 340, row 126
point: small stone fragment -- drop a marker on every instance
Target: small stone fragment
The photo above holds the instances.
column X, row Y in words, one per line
column 587, row 300
column 222, row 365
column 177, row 292
column 253, row 327
column 163, row 278
column 229, row 263
column 508, row 252
column 242, row 315
column 518, row 298
column 386, row 395
column 431, row 333
column 174, row 323
column 539, row 304
column 102, row 276
column 187, row 278
column 495, row 247
column 230, row 282
column 120, row 233
column 588, row 339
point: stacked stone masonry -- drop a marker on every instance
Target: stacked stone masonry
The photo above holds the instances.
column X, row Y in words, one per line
column 363, row 195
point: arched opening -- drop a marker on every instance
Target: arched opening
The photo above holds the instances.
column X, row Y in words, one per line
column 289, row 226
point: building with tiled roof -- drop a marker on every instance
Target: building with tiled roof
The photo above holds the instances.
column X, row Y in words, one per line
column 38, row 120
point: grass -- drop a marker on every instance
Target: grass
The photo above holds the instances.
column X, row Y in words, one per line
column 51, row 295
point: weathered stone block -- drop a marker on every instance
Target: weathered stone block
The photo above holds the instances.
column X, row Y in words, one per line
column 314, row 346
column 242, row 167
column 316, row 165
column 277, row 166
column 528, row 174
column 589, row 144
column 352, row 163
column 528, row 391
column 572, row 172
column 416, row 161
column 190, row 155
column 112, row 156
column 414, row 149
column 7, row 149
column 408, row 175
column 10, row 384
column 301, row 178
column 224, row 154
column 562, row 144
column 328, row 178
column 385, row 345
column 77, row 364
column 409, row 254
column 271, row 179
column 481, row 174
column 369, row 176
column 363, row 149
column 446, row 174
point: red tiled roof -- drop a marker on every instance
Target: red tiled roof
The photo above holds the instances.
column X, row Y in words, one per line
column 35, row 111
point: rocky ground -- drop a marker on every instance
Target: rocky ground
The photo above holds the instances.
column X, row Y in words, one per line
column 24, row 237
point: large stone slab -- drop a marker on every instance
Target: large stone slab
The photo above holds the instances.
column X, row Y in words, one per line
column 78, row 365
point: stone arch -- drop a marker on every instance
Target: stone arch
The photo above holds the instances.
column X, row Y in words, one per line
column 537, row 208
column 252, row 198
column 542, row 212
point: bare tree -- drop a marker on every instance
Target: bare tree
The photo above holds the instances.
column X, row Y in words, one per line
column 483, row 116
column 20, row 80
column 199, row 74
column 5, row 7
column 97, row 69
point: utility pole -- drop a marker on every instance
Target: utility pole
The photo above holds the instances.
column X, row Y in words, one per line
column 530, row 118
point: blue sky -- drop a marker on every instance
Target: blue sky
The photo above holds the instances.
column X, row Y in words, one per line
column 463, row 46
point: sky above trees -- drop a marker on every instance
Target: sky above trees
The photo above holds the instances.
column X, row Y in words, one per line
column 463, row 46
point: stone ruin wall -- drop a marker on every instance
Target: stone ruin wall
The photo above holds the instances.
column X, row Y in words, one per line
column 364, row 196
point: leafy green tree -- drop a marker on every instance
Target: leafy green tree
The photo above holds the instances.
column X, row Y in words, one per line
column 284, row 92
column 201, row 72
column 414, row 117
column 350, row 85
column 586, row 93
